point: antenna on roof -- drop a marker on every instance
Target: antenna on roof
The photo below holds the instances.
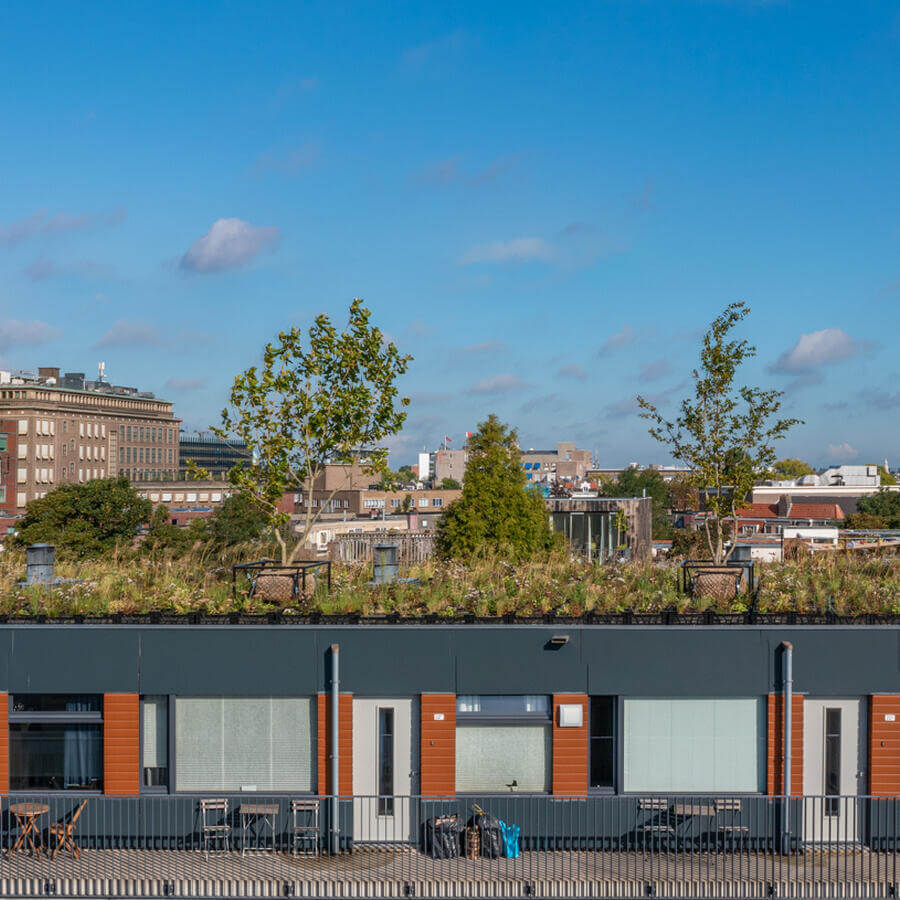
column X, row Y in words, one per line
column 101, row 371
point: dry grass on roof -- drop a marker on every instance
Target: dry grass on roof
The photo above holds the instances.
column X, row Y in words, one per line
column 554, row 583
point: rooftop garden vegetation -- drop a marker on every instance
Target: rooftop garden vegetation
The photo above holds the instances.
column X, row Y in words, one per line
column 129, row 581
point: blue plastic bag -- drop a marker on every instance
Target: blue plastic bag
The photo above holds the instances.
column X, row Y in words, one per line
column 510, row 835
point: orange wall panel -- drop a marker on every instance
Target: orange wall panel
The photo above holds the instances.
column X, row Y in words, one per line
column 121, row 744
column 884, row 745
column 437, row 748
column 775, row 745
column 345, row 744
column 570, row 749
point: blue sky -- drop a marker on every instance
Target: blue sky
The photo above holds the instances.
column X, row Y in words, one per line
column 544, row 204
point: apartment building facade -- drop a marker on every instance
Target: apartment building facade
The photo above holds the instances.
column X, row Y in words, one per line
column 70, row 430
column 545, row 715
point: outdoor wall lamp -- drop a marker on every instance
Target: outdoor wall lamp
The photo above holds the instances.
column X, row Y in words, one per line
column 559, row 640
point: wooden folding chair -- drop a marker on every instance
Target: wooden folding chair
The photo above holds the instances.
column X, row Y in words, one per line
column 305, row 825
column 215, row 824
column 64, row 832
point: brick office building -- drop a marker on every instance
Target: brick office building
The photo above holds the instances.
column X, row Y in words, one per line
column 69, row 429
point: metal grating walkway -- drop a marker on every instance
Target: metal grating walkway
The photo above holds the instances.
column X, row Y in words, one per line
column 403, row 872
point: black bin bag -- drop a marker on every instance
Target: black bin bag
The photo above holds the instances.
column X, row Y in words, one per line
column 490, row 834
column 443, row 837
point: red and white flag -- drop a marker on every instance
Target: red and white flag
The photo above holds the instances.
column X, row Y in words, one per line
column 447, row 439
column 470, row 434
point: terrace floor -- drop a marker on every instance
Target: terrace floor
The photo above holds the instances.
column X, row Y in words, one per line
column 403, row 872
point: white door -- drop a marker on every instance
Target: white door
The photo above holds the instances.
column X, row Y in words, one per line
column 385, row 764
column 834, row 735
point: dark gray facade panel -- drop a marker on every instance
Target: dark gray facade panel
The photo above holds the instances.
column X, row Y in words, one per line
column 834, row 663
column 465, row 659
column 504, row 660
column 252, row 661
column 47, row 659
column 676, row 662
column 404, row 661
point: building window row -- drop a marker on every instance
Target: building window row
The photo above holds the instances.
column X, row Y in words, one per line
column 504, row 743
column 145, row 454
column 151, row 434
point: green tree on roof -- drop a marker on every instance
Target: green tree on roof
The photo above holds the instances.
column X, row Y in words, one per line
column 496, row 511
column 724, row 434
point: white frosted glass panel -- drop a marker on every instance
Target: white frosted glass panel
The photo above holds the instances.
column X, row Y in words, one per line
column 155, row 732
column 490, row 757
column 228, row 743
column 693, row 745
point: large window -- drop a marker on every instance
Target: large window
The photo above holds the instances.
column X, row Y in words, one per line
column 503, row 743
column 56, row 742
column 244, row 744
column 694, row 745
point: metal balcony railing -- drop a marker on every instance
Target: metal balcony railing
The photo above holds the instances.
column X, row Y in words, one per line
column 499, row 845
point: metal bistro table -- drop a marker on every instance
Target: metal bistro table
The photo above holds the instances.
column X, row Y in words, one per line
column 27, row 815
column 256, row 820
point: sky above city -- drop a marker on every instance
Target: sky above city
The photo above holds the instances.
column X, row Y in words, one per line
column 545, row 204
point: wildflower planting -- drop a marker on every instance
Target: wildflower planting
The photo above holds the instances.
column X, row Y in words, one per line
column 127, row 583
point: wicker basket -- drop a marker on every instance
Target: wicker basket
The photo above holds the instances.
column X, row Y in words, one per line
column 716, row 584
column 277, row 586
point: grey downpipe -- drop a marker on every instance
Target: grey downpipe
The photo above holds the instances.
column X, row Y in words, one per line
column 788, row 648
column 335, row 747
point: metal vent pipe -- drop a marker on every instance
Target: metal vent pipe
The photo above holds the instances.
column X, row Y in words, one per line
column 335, row 747
column 788, row 692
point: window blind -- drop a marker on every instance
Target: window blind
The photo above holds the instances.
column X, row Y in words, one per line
column 490, row 757
column 234, row 743
column 693, row 745
column 155, row 736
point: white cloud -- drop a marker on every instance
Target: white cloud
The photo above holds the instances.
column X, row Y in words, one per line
column 572, row 370
column 42, row 269
column 290, row 162
column 818, row 348
column 125, row 333
column 842, row 452
column 182, row 385
column 451, row 171
column 525, row 249
column 498, row 384
column 432, row 51
column 229, row 244
column 618, row 340
column 493, row 346
column 15, row 332
column 41, row 223
column 653, row 371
